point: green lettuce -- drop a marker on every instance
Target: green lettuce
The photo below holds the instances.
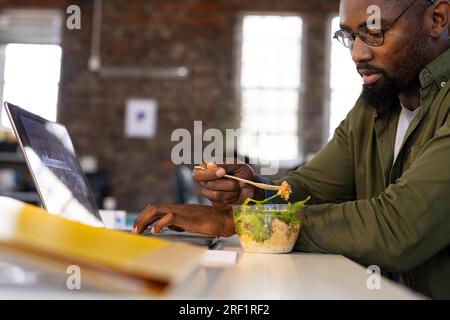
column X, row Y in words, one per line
column 255, row 223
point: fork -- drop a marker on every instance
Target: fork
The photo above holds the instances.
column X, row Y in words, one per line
column 255, row 184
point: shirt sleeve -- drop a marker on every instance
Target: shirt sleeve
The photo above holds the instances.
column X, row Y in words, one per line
column 403, row 227
column 329, row 176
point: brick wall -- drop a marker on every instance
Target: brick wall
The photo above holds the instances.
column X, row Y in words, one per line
column 147, row 33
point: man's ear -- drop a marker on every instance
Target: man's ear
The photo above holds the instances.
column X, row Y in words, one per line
column 441, row 17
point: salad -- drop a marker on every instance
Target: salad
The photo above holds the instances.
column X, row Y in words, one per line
column 267, row 228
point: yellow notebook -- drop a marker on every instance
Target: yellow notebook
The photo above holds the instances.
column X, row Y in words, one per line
column 107, row 258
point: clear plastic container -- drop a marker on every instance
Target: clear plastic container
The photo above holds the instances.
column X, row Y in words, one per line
column 267, row 228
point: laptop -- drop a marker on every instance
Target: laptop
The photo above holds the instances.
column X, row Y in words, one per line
column 61, row 184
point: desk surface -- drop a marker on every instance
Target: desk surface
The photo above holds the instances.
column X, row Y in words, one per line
column 254, row 276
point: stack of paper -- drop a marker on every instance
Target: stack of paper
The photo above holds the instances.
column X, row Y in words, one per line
column 107, row 258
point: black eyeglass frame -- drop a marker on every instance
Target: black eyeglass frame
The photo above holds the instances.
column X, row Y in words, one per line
column 380, row 33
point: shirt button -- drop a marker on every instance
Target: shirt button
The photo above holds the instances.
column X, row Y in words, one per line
column 443, row 83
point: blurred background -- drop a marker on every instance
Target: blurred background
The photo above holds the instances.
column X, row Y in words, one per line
column 268, row 67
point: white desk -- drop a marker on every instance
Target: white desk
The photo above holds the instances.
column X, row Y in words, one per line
column 255, row 276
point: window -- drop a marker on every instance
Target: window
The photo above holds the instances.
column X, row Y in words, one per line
column 345, row 82
column 270, row 87
column 31, row 78
column 30, row 61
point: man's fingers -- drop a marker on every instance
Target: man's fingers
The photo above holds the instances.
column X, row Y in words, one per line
column 145, row 218
column 152, row 213
column 175, row 222
column 209, row 174
column 214, row 172
column 166, row 221
column 219, row 196
column 191, row 218
column 221, row 185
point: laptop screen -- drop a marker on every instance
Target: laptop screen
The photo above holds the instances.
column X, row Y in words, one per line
column 51, row 158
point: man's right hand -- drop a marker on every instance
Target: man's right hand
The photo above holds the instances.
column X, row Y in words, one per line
column 223, row 192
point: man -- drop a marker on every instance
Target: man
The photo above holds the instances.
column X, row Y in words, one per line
column 381, row 187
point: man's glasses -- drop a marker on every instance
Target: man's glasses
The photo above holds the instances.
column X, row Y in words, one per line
column 370, row 36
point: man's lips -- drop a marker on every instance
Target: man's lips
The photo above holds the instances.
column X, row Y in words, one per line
column 370, row 77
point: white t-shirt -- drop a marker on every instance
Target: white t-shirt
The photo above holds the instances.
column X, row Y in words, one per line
column 406, row 117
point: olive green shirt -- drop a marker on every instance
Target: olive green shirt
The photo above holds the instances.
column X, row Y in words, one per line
column 374, row 211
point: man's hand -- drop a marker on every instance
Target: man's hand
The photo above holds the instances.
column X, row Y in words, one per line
column 191, row 218
column 223, row 192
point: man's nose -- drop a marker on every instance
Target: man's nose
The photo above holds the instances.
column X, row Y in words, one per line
column 361, row 51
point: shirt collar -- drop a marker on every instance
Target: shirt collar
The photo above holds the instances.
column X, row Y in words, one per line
column 437, row 71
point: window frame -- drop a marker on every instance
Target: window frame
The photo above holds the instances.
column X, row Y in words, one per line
column 237, row 56
column 330, row 131
column 52, row 37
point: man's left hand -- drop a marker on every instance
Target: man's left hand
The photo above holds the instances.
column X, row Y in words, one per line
column 191, row 218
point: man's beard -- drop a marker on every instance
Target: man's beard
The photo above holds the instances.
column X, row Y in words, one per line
column 383, row 97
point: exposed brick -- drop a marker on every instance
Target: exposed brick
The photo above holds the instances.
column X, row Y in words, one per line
column 146, row 33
